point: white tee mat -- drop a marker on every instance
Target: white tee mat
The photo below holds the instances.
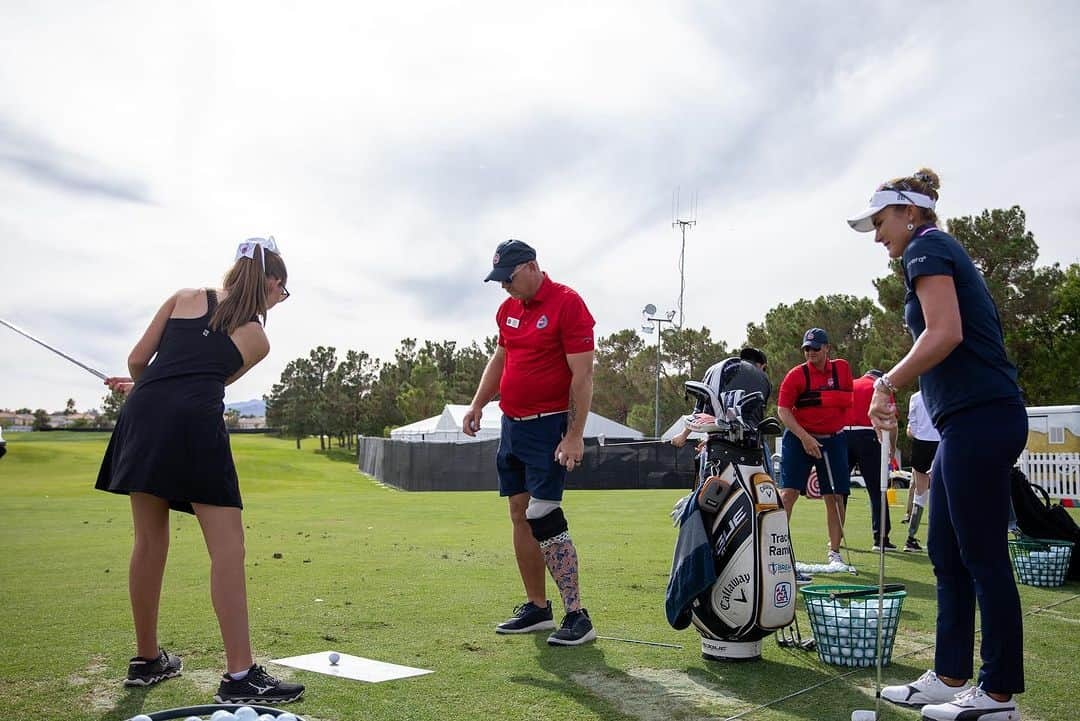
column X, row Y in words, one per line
column 352, row 667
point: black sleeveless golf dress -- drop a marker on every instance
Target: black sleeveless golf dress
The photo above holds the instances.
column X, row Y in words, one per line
column 170, row 438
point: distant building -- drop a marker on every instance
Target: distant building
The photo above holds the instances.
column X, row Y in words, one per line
column 9, row 419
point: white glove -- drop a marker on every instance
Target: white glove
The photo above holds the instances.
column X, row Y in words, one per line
column 680, row 506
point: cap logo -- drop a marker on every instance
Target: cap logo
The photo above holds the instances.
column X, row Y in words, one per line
column 495, row 260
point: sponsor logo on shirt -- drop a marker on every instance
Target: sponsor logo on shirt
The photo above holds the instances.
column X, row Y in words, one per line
column 513, row 322
column 542, row 322
column 913, row 261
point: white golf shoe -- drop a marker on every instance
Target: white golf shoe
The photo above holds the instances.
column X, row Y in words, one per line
column 927, row 689
column 972, row 705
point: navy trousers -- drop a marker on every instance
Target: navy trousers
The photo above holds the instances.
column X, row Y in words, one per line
column 968, row 544
column 864, row 451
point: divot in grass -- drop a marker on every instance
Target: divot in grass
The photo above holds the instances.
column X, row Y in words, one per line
column 653, row 694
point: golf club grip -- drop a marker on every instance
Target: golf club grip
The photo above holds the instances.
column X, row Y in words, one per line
column 887, row 588
column 886, row 456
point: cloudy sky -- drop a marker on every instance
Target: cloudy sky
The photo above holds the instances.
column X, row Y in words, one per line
column 389, row 147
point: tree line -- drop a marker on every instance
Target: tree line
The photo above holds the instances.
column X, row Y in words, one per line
column 334, row 396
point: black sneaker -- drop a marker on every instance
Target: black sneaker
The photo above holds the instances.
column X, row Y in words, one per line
column 147, row 672
column 802, row 579
column 576, row 629
column 528, row 617
column 257, row 687
column 889, row 546
column 912, row 546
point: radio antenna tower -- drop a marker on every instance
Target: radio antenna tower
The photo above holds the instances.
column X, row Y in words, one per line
column 682, row 223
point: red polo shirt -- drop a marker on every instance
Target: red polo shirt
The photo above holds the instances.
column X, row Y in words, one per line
column 862, row 394
column 832, row 415
column 537, row 335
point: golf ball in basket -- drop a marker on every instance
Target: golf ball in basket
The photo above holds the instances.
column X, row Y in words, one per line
column 246, row 713
column 334, row 658
column 287, row 717
column 140, row 717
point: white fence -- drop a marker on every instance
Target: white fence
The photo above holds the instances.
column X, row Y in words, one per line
column 1057, row 473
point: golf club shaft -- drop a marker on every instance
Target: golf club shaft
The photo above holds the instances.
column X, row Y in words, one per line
column 839, row 514
column 643, row 643
column 57, row 351
column 632, row 443
column 886, row 454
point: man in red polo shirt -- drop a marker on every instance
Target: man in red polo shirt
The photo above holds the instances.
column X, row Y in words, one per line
column 813, row 403
column 542, row 372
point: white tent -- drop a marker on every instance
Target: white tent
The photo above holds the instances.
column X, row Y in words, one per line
column 446, row 427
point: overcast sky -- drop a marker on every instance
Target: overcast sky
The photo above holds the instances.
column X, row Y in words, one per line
column 390, row 147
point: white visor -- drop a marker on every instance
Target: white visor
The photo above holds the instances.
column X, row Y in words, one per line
column 884, row 198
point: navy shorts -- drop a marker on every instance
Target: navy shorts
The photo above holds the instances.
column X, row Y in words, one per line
column 795, row 464
column 526, row 458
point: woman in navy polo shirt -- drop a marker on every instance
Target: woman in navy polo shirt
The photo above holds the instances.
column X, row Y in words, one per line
column 970, row 391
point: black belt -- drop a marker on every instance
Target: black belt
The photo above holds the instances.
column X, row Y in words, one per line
column 534, row 416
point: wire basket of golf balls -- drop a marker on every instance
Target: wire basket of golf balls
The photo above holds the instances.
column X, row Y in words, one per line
column 220, row 712
column 845, row 620
column 1040, row 561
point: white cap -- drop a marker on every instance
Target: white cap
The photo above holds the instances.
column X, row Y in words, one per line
column 884, row 198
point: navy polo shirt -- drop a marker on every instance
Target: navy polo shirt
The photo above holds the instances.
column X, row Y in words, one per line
column 976, row 371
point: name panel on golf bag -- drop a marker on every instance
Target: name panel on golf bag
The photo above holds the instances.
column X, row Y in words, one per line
column 777, row 600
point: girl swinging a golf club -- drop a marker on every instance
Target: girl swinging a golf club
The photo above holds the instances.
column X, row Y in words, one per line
column 170, row 450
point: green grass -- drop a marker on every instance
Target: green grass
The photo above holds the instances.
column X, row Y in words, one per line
column 417, row 579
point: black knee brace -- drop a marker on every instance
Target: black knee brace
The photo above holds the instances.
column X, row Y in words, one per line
column 549, row 526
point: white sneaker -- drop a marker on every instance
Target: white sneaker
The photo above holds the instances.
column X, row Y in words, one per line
column 835, row 557
column 973, row 704
column 927, row 689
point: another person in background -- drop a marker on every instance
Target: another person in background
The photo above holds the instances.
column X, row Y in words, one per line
column 813, row 404
column 924, row 444
column 972, row 397
column 542, row 372
column 170, row 450
column 864, row 451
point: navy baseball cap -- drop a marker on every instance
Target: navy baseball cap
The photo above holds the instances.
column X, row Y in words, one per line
column 814, row 338
column 509, row 255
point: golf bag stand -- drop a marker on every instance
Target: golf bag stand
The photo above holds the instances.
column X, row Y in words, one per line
column 754, row 592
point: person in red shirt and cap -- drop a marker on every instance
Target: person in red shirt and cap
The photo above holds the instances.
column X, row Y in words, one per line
column 864, row 451
column 542, row 372
column 813, row 404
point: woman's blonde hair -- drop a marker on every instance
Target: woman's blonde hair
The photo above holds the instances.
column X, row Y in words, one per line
column 246, row 286
column 923, row 181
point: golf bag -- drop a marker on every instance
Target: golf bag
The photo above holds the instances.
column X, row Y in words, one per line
column 732, row 575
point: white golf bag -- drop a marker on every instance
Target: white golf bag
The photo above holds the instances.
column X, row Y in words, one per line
column 738, row 505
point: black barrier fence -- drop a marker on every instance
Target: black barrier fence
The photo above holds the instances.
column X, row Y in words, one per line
column 471, row 466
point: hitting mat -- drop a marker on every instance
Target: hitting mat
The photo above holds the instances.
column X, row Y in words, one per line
column 835, row 567
column 354, row 667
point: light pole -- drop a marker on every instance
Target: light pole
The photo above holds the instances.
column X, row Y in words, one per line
column 648, row 316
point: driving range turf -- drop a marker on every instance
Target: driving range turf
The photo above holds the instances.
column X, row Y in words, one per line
column 420, row 579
